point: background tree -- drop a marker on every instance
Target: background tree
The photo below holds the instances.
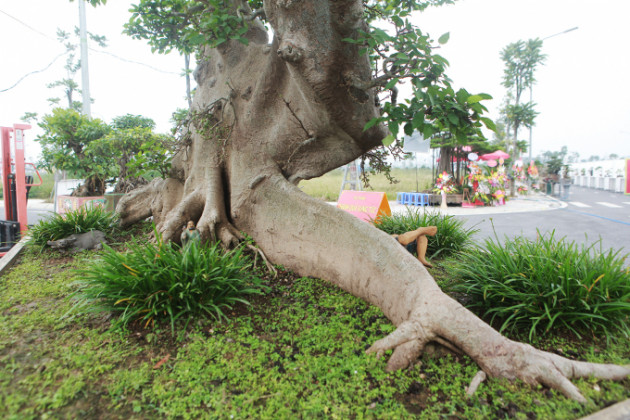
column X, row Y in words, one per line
column 521, row 59
column 73, row 65
column 133, row 152
column 127, row 152
column 268, row 114
column 66, row 136
column 554, row 161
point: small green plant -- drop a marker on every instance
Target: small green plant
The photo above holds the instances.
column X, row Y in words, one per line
column 155, row 282
column 452, row 237
column 82, row 220
column 546, row 284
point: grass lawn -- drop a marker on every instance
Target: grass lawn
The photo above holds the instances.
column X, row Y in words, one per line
column 327, row 186
column 296, row 352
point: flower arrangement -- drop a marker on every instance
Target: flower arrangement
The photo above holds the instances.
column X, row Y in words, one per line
column 487, row 187
column 445, row 184
column 498, row 194
column 522, row 189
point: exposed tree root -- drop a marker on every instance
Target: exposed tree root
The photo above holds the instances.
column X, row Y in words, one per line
column 502, row 358
column 288, row 120
column 476, row 381
column 258, row 251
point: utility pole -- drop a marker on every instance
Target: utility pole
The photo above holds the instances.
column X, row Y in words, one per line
column 85, row 73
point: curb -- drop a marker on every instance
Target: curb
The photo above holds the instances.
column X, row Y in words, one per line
column 9, row 258
column 619, row 411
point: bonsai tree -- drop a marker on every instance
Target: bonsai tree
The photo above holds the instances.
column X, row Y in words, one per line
column 269, row 113
column 64, row 142
column 133, row 151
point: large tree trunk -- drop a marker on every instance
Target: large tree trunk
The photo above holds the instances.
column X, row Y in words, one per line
column 266, row 116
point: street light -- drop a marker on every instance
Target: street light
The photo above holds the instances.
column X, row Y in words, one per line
column 532, row 84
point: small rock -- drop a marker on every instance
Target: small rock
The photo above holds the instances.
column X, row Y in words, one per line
column 596, row 388
column 372, row 406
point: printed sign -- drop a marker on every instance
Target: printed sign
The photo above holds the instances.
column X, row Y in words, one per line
column 364, row 205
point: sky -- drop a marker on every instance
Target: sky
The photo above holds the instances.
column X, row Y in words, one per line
column 581, row 93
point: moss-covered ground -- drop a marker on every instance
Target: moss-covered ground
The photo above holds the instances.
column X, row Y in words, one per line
column 297, row 352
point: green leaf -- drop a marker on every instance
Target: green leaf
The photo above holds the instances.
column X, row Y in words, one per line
column 371, row 123
column 388, row 140
column 391, row 83
column 393, row 127
column 418, row 119
column 427, row 131
column 473, row 99
column 453, row 119
column 444, row 38
column 408, row 129
column 488, row 123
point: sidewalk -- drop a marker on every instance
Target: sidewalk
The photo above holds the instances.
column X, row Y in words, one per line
column 518, row 204
column 36, row 204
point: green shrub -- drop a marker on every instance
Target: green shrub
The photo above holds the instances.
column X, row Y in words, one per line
column 452, row 237
column 81, row 220
column 155, row 282
column 546, row 284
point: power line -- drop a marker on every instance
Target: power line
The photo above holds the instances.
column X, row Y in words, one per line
column 27, row 25
column 134, row 62
column 33, row 72
column 92, row 49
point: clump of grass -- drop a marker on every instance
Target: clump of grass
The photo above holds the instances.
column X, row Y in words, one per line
column 452, row 237
column 154, row 282
column 82, row 220
column 545, row 285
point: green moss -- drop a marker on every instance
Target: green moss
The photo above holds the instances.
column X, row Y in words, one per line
column 299, row 352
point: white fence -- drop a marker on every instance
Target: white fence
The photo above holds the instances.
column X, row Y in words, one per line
column 614, row 184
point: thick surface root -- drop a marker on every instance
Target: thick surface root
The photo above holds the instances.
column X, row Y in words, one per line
column 509, row 359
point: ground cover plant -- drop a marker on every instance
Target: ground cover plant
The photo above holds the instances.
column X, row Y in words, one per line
column 160, row 282
column 547, row 284
column 452, row 237
column 297, row 351
column 82, row 220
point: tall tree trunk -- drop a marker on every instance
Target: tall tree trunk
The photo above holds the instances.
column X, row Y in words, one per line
column 446, row 160
column 267, row 116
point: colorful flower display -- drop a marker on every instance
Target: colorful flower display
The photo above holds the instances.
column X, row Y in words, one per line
column 445, row 184
column 488, row 184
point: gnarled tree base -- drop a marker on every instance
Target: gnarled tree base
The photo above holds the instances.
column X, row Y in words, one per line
column 268, row 115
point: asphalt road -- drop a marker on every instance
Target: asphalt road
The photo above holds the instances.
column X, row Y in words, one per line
column 34, row 212
column 589, row 216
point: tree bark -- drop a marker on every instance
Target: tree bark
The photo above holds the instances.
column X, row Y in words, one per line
column 266, row 116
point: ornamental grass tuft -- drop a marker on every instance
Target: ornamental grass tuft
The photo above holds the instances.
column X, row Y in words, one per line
column 545, row 285
column 82, row 220
column 452, row 237
column 156, row 282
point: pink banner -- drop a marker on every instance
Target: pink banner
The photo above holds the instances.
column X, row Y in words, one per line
column 363, row 204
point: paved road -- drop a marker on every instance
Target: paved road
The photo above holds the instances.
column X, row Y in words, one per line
column 589, row 215
column 36, row 211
